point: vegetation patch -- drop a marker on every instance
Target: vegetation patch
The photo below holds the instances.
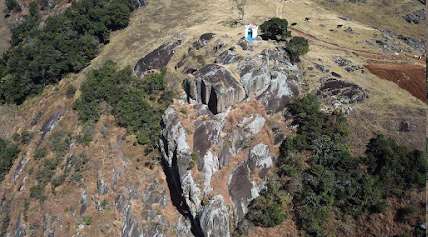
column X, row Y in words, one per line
column 275, row 29
column 41, row 54
column 326, row 181
column 8, row 154
column 137, row 104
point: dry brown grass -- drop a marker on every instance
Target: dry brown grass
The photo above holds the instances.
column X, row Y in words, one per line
column 4, row 30
column 382, row 14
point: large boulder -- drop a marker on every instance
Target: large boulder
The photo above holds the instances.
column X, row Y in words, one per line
column 156, row 59
column 340, row 95
column 215, row 218
column 215, row 86
column 203, row 40
column 270, row 77
column 415, row 17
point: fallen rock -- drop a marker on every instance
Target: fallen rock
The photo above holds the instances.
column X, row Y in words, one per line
column 415, row 17
column 157, row 59
column 348, row 65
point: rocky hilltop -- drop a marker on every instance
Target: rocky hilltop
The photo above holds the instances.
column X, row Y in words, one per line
column 219, row 143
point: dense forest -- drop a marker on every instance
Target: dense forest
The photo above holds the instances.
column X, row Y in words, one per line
column 42, row 53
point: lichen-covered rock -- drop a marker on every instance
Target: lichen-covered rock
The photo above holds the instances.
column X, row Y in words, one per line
column 227, row 57
column 215, row 218
column 242, row 187
column 342, row 91
column 215, row 86
column 415, row 17
column 203, row 40
column 177, row 155
column 156, row 59
column 270, row 77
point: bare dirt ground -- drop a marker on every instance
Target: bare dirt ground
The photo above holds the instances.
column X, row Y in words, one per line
column 409, row 77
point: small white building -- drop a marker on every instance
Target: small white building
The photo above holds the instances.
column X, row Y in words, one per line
column 251, row 32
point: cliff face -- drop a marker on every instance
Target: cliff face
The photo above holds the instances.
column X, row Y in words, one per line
column 218, row 145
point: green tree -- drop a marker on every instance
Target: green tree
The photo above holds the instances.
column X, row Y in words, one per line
column 275, row 29
column 297, row 46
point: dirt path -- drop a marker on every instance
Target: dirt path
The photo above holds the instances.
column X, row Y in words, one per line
column 372, row 57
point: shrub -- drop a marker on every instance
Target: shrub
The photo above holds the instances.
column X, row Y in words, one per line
column 12, row 5
column 398, row 168
column 37, row 192
column 87, row 133
column 57, row 180
column 70, row 91
column 60, row 143
column 275, row 29
column 297, row 46
column 23, row 138
column 326, row 182
column 87, row 220
column 267, row 210
column 40, row 153
column 8, row 153
column 404, row 213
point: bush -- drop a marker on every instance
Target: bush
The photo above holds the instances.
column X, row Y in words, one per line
column 40, row 153
column 23, row 138
column 8, row 153
column 397, row 168
column 297, row 46
column 87, row 133
column 12, row 5
column 70, row 91
column 275, row 29
column 267, row 210
column 87, row 220
column 37, row 192
column 60, row 143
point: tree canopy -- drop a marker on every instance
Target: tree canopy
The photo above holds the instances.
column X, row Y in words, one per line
column 41, row 54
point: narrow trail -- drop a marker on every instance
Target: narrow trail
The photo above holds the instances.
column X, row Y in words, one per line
column 372, row 57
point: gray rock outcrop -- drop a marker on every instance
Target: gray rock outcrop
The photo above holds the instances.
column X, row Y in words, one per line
column 227, row 57
column 203, row 40
column 215, row 86
column 270, row 77
column 415, row 17
column 156, row 59
column 215, row 218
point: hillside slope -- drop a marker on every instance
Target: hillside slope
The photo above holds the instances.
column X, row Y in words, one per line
column 111, row 186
